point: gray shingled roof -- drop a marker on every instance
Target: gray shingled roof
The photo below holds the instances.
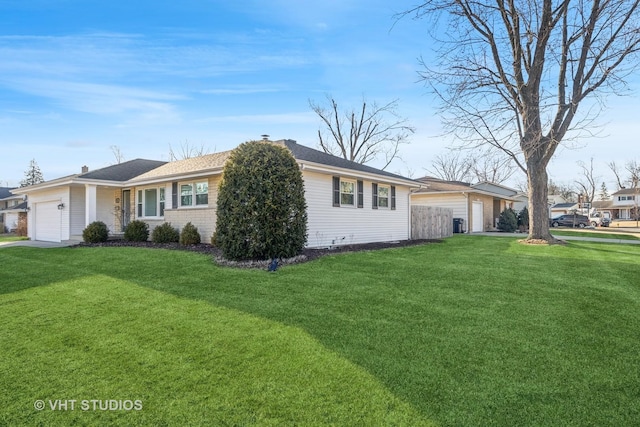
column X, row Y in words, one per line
column 300, row 152
column 123, row 171
column 5, row 192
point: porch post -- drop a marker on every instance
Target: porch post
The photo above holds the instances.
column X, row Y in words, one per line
column 90, row 208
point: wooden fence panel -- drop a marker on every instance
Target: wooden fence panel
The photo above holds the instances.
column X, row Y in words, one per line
column 428, row 222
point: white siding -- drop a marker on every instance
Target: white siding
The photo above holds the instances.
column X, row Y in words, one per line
column 57, row 195
column 329, row 225
column 77, row 208
column 456, row 202
column 106, row 208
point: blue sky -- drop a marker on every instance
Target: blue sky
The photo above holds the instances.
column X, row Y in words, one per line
column 77, row 77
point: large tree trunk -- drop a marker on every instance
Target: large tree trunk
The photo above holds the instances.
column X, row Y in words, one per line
column 538, row 204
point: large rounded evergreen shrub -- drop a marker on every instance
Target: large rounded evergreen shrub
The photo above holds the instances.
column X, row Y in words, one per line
column 262, row 212
column 96, row 232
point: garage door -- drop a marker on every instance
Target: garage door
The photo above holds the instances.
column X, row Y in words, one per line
column 478, row 219
column 47, row 221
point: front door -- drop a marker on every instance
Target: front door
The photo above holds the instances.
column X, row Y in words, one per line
column 126, row 208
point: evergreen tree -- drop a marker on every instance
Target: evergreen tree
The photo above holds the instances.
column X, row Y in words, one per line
column 508, row 221
column 604, row 193
column 262, row 212
column 33, row 175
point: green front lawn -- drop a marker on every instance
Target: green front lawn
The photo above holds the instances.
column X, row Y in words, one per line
column 474, row 331
column 11, row 238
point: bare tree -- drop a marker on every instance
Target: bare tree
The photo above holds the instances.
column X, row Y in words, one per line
column 512, row 74
column 117, row 153
column 492, row 167
column 563, row 190
column 187, row 151
column 633, row 168
column 587, row 185
column 616, row 172
column 362, row 135
column 450, row 167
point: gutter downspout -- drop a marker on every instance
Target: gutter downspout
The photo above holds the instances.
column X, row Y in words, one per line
column 466, row 196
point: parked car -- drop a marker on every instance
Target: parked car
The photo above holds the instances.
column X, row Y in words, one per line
column 570, row 220
column 598, row 219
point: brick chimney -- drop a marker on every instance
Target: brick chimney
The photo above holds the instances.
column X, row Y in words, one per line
column 85, row 169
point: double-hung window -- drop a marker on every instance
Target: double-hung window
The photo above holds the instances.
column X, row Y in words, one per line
column 194, row 194
column 150, row 203
column 383, row 196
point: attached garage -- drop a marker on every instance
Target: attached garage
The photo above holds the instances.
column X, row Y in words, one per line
column 47, row 221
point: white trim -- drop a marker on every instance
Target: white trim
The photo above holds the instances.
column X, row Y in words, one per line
column 355, row 192
column 357, row 175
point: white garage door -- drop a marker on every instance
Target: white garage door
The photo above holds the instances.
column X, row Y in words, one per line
column 47, row 221
column 476, row 212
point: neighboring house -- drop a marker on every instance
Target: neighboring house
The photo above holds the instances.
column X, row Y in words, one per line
column 602, row 206
column 625, row 203
column 346, row 202
column 11, row 206
column 479, row 205
column 562, row 209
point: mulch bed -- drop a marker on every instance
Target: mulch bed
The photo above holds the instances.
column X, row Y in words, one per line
column 306, row 255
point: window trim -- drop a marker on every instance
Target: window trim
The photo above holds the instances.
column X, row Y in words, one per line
column 141, row 199
column 354, row 193
column 194, row 194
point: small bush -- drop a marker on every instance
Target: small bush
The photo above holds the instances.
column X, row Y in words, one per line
column 508, row 221
column 189, row 235
column 165, row 233
column 523, row 218
column 136, row 231
column 95, row 232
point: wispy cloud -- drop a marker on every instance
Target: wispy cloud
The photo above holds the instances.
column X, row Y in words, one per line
column 283, row 118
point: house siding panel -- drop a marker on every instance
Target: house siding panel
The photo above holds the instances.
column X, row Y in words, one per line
column 329, row 225
column 77, row 214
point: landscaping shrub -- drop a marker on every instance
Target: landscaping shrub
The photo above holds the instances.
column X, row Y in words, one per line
column 95, row 232
column 262, row 212
column 165, row 233
column 22, row 229
column 508, row 221
column 189, row 235
column 523, row 218
column 136, row 231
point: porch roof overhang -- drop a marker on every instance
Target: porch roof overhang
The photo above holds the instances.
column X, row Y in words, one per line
column 182, row 176
column 67, row 181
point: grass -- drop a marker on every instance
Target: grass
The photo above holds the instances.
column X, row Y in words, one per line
column 473, row 331
column 11, row 238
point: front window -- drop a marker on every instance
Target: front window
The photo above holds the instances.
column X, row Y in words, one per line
column 347, row 193
column 383, row 196
column 186, row 195
column 198, row 189
column 202, row 193
column 151, row 202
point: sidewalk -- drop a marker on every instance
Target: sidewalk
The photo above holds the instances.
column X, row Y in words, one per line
column 579, row 238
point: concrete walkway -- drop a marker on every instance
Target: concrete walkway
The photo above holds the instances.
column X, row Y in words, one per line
column 580, row 238
column 36, row 244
